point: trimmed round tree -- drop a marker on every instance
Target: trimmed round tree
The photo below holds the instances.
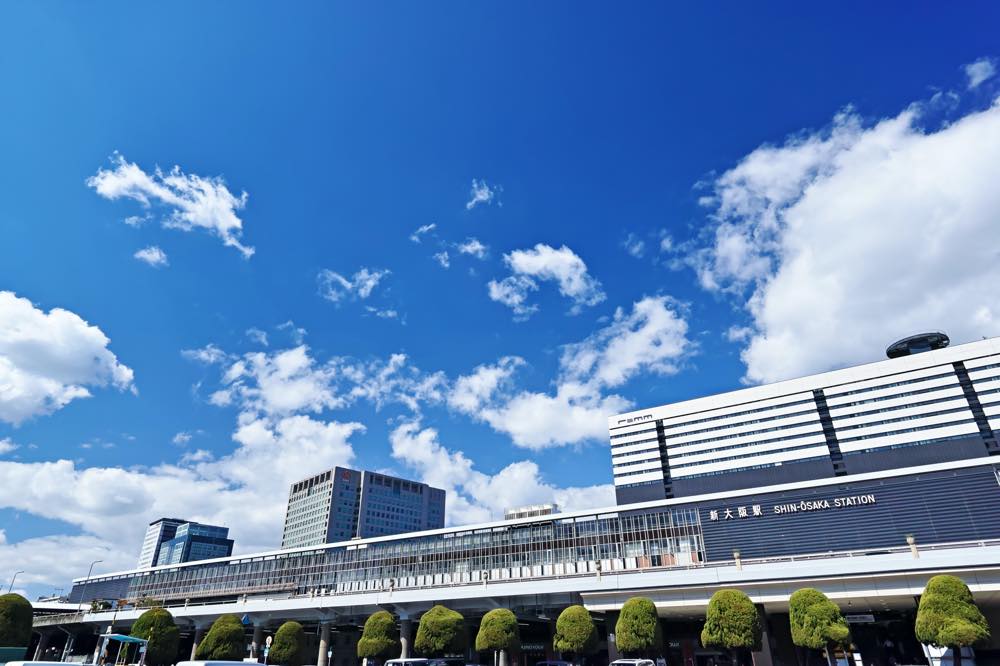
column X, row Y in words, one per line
column 441, row 632
column 499, row 632
column 15, row 624
column 575, row 632
column 948, row 617
column 225, row 641
column 157, row 626
column 731, row 623
column 380, row 638
column 638, row 632
column 817, row 623
column 288, row 646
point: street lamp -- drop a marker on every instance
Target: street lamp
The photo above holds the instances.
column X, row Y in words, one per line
column 11, row 587
column 87, row 580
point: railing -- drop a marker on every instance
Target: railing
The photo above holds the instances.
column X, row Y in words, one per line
column 70, row 618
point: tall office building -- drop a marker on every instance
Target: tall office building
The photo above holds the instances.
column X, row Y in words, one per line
column 916, row 408
column 341, row 504
column 194, row 541
column 174, row 540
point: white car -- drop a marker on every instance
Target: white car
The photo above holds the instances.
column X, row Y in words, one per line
column 632, row 662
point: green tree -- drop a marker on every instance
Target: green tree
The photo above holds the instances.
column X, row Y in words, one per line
column 575, row 632
column 157, row 626
column 499, row 632
column 225, row 641
column 948, row 617
column 638, row 631
column 15, row 623
column 731, row 623
column 816, row 622
column 380, row 639
column 288, row 646
column 441, row 632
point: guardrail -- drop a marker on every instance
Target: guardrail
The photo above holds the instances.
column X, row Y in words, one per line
column 241, row 595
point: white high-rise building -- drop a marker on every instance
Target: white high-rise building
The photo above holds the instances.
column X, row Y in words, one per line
column 939, row 405
column 158, row 531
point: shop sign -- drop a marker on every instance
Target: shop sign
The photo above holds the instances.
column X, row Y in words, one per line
column 803, row 506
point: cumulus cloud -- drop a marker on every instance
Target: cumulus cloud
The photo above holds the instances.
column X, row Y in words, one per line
column 337, row 288
column 474, row 496
column 257, row 335
column 421, row 231
column 7, row 445
column 482, row 193
column 48, row 359
column 152, row 256
column 473, row 247
column 189, row 201
column 652, row 337
column 979, row 71
column 545, row 263
column 843, row 240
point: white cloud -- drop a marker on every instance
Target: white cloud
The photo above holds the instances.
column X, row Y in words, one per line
column 191, row 201
column 979, row 71
column 474, row 496
column 513, row 292
column 421, row 231
column 855, row 236
column 257, row 335
column 335, row 287
column 443, row 259
column 7, row 445
column 153, row 256
column 634, row 245
column 209, row 355
column 387, row 313
column 650, row 338
column 297, row 333
column 49, row 359
column 482, row 193
column 545, row 263
column 473, row 247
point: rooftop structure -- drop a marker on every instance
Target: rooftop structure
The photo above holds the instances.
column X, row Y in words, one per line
column 531, row 511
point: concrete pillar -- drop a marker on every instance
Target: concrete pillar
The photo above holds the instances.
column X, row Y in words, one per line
column 405, row 637
column 43, row 644
column 68, row 648
column 258, row 641
column 199, row 634
column 610, row 620
column 763, row 657
column 323, row 658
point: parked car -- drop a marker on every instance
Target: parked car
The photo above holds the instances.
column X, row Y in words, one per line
column 632, row 662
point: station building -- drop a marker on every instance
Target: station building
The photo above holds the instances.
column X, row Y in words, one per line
column 862, row 482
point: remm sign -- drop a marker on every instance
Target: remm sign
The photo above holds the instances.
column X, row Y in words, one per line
column 802, row 506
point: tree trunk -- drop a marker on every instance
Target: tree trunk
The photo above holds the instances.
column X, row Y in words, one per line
column 503, row 657
column 831, row 658
column 956, row 656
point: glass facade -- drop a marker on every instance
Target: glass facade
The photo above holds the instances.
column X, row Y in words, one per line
column 664, row 537
column 193, row 542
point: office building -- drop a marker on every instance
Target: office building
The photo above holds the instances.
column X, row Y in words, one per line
column 341, row 504
column 194, row 541
column 917, row 408
column 174, row 540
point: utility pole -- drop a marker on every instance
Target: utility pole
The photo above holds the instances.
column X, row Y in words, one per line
column 87, row 580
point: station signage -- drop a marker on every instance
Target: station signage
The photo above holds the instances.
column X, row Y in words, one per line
column 802, row 506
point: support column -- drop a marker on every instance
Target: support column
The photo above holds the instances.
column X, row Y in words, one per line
column 323, row 658
column 43, row 644
column 258, row 640
column 610, row 620
column 68, row 647
column 199, row 634
column 763, row 657
column 405, row 636
column 101, row 644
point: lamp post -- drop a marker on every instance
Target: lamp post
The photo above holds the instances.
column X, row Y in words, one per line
column 11, row 586
column 87, row 580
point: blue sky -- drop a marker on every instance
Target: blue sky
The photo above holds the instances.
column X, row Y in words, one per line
column 673, row 201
